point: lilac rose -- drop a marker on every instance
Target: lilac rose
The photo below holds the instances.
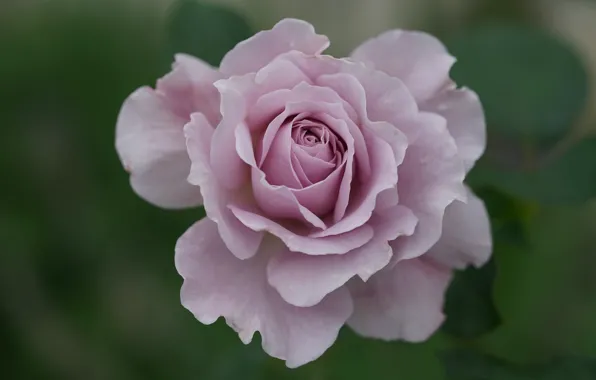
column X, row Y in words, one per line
column 333, row 188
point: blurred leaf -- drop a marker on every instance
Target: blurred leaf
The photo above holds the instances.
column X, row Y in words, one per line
column 569, row 178
column 531, row 85
column 204, row 30
column 507, row 215
column 469, row 365
column 469, row 303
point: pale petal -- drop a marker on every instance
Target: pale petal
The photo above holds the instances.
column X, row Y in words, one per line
column 404, row 302
column 217, row 284
column 465, row 120
column 257, row 51
column 392, row 222
column 383, row 177
column 315, row 169
column 430, row 178
column 418, row 59
column 189, row 88
column 240, row 240
column 304, row 280
column 320, row 197
column 466, row 237
column 277, row 166
column 151, row 146
column 229, row 169
column 295, row 242
column 280, row 202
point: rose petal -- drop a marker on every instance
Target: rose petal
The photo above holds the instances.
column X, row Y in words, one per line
column 321, row 102
column 314, row 168
column 240, row 240
column 274, row 200
column 295, row 242
column 404, row 302
column 392, row 222
column 228, row 168
column 257, row 51
column 304, row 280
column 320, row 197
column 280, row 202
column 217, row 284
column 466, row 237
column 304, row 181
column 189, row 88
column 373, row 94
column 465, row 121
column 278, row 166
column 151, row 146
column 430, row 178
column 418, row 59
column 383, row 177
column 380, row 101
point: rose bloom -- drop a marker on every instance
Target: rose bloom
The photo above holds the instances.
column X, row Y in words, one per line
column 333, row 188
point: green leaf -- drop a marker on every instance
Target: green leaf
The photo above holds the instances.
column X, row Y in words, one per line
column 532, row 85
column 204, row 30
column 468, row 365
column 469, row 303
column 567, row 179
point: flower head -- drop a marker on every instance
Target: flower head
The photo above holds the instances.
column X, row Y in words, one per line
column 333, row 188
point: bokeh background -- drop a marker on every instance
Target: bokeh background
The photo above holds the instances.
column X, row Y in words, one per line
column 88, row 289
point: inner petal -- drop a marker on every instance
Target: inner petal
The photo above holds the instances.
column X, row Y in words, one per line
column 316, row 149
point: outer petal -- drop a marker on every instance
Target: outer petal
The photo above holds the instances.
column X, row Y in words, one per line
column 217, row 284
column 229, row 169
column 304, row 280
column 466, row 237
column 420, row 60
column 430, row 178
column 465, row 121
column 404, row 302
column 256, row 52
column 239, row 239
column 330, row 245
column 150, row 142
column 189, row 88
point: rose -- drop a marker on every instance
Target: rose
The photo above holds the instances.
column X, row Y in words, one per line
column 333, row 188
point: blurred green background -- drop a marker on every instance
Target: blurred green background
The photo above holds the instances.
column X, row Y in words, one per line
column 88, row 289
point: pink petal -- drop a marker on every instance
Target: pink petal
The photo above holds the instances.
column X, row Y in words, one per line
column 240, row 240
column 393, row 222
column 189, row 88
column 256, row 52
column 304, row 181
column 278, row 166
column 373, row 94
column 217, row 284
column 404, row 302
column 315, row 169
column 430, row 178
column 383, row 177
column 295, row 242
column 466, row 237
column 304, row 280
column 380, row 101
column 280, row 202
column 465, row 121
column 276, row 201
column 273, row 108
column 151, row 146
column 418, row 59
column 228, row 168
column 320, row 197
